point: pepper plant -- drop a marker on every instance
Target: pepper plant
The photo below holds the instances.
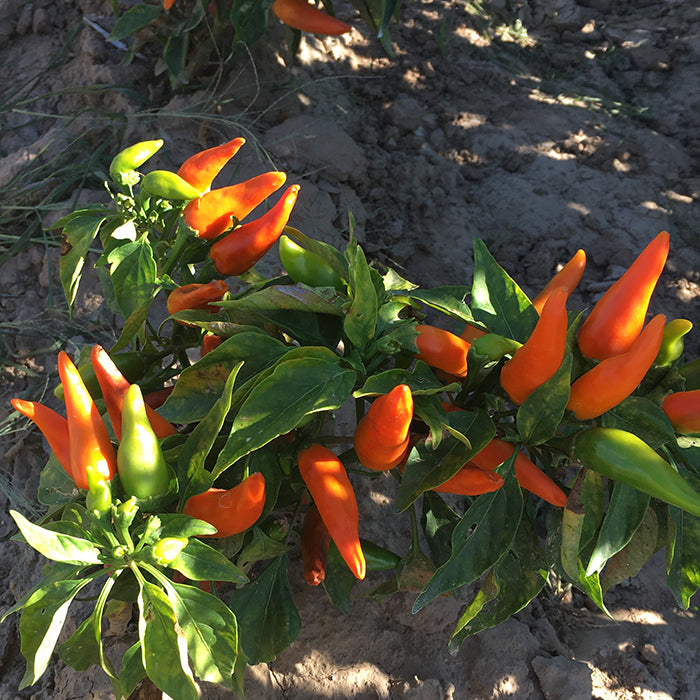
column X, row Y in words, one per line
column 527, row 459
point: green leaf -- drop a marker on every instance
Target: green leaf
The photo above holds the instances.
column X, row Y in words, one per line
column 590, row 584
column 192, row 476
column 133, row 326
column 339, row 580
column 249, row 19
column 643, row 418
column 497, row 301
column 163, row 650
column 268, row 620
column 211, row 632
column 360, row 321
column 175, row 55
column 295, row 389
column 421, row 379
column 42, row 621
column 200, row 562
column 200, row 386
column 179, row 525
column 541, row 413
column 438, row 521
column 134, row 19
column 449, row 300
column 511, row 584
column 593, row 499
column 625, row 514
column 571, row 528
column 78, row 235
column 132, row 671
column 630, row 559
column 261, row 547
column 481, row 538
column 55, row 486
column 133, row 273
column 286, row 297
column 55, row 545
column 682, row 565
column 427, row 468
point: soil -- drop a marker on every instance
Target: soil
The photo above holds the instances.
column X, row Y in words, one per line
column 540, row 127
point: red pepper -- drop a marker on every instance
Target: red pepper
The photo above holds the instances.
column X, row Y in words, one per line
column 315, row 540
column 612, row 380
column 381, row 438
column 114, row 387
column 617, row 319
column 155, row 399
column 211, row 214
column 230, row 511
column 197, row 296
column 210, row 341
column 301, row 15
column 529, row 475
column 327, row 481
column 569, row 276
column 683, row 410
column 244, row 246
column 53, row 426
column 89, row 440
column 541, row 356
column 201, row 168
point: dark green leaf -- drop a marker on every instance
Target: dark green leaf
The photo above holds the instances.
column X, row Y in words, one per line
column 360, row 320
column 163, row 650
column 497, row 301
column 268, row 620
column 295, row 389
column 287, row 298
column 249, row 19
column 57, row 546
column 683, row 567
column 438, row 521
column 261, row 547
column 481, row 538
column 421, row 379
column 540, row 415
column 625, row 514
column 133, row 326
column 571, row 528
column 511, row 584
column 175, row 55
column 643, row 418
column 133, row 273
column 593, row 500
column 449, row 300
column 132, row 671
column 339, row 580
column 178, row 525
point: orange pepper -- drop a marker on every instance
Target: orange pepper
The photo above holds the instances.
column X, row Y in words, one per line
column 471, row 481
column 381, row 438
column 200, row 169
column 443, row 350
column 618, row 318
column 301, row 15
column 541, row 356
column 315, row 540
column 327, row 481
column 197, row 296
column 569, row 276
column 683, row 410
column 612, row 380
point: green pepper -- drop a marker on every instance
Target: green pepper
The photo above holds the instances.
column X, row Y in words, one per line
column 99, row 495
column 167, row 185
column 143, row 471
column 122, row 169
column 378, row 558
column 133, row 365
column 493, row 347
column 672, row 344
column 306, row 267
column 624, row 457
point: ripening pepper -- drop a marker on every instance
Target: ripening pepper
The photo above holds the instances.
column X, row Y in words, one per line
column 618, row 318
column 89, row 439
column 238, row 251
column 528, row 474
column 143, row 472
column 210, row 341
column 53, row 426
column 201, row 168
column 471, row 333
column 624, row 457
column 569, row 276
column 305, row 267
column 299, row 14
column 99, row 495
column 442, row 350
column 167, row 550
column 492, row 347
column 471, row 481
column 612, row 380
column 672, row 345
column 382, row 436
column 197, row 296
column 168, row 185
column 541, row 356
column 230, row 511
column 123, row 165
column 315, row 541
column 331, row 490
column 114, row 387
column 683, row 410
column 212, row 213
